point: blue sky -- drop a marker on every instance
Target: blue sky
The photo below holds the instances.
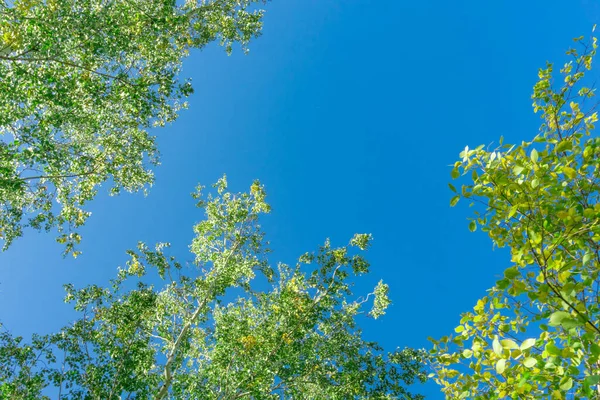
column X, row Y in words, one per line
column 350, row 112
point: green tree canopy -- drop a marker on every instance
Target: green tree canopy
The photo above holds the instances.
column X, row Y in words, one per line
column 537, row 332
column 188, row 337
column 81, row 82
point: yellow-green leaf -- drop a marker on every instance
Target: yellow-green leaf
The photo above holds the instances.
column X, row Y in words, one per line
column 527, row 343
column 552, row 349
column 564, row 146
column 566, row 383
column 454, row 200
column 512, row 272
column 501, row 366
column 534, row 155
column 569, row 172
column 472, row 226
column 557, row 317
column 518, row 169
column 509, row 344
column 529, row 362
column 497, row 347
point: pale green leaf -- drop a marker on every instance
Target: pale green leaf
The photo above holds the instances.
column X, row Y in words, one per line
column 557, row 317
column 500, row 366
column 527, row 343
column 564, row 146
column 566, row 383
column 497, row 347
column 509, row 344
column 534, row 155
column 529, row 362
column 518, row 169
column 569, row 172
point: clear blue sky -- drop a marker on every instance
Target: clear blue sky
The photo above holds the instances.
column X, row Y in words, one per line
column 349, row 111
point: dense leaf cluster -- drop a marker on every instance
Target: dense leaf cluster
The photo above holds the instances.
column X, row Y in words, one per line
column 536, row 333
column 81, row 83
column 184, row 338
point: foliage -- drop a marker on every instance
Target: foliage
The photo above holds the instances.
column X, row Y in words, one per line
column 537, row 332
column 82, row 82
column 192, row 340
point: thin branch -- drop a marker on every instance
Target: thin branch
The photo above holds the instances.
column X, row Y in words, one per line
column 67, row 63
column 164, row 390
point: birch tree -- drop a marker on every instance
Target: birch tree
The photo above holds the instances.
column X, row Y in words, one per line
column 536, row 333
column 82, row 82
column 209, row 330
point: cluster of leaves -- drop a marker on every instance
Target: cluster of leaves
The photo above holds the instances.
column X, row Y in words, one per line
column 82, row 82
column 189, row 340
column 536, row 334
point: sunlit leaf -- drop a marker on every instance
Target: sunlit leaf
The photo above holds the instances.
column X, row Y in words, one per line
column 529, row 362
column 500, row 366
column 527, row 343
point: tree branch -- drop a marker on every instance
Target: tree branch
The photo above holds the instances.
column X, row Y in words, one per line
column 164, row 389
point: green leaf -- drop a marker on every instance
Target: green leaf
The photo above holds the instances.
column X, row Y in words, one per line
column 500, row 366
column 595, row 349
column 512, row 272
column 451, row 186
column 535, row 183
column 509, row 344
column 497, row 347
column 455, row 173
column 518, row 169
column 529, row 362
column 527, row 343
column 564, row 146
column 587, row 257
column 592, row 380
column 570, row 323
column 557, row 317
column 454, row 200
column 472, row 226
column 566, row 383
column 569, row 172
column 534, row 155
column 552, row 349
column 502, row 284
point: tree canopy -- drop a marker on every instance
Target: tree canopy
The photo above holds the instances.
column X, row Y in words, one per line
column 536, row 333
column 82, row 83
column 225, row 326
